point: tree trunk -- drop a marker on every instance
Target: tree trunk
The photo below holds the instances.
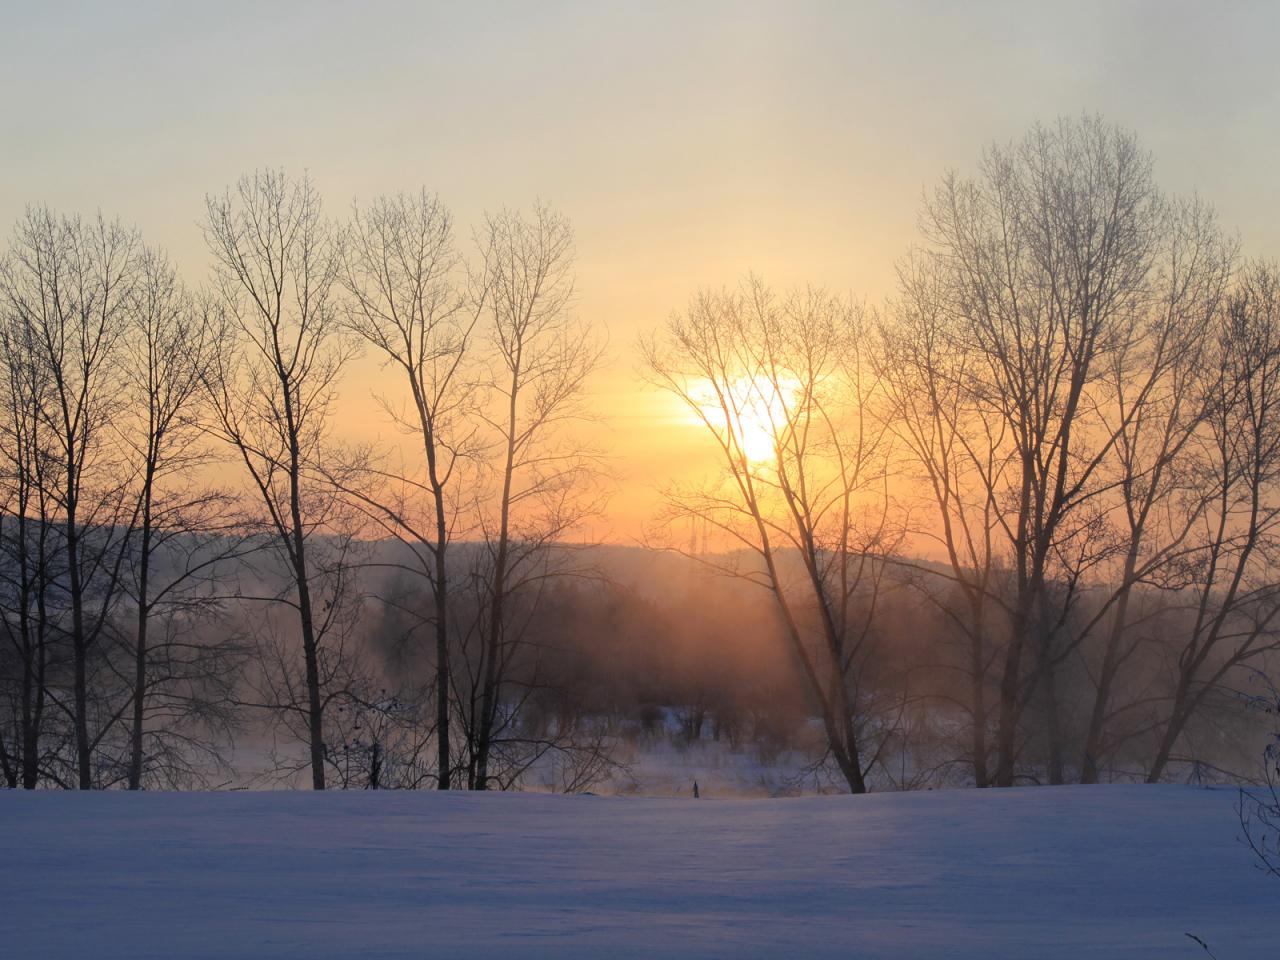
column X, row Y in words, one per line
column 978, row 698
column 489, row 698
column 315, row 708
column 1006, row 744
column 31, row 746
column 443, row 759
column 1172, row 730
column 1053, row 722
column 80, row 655
column 310, row 649
column 140, row 650
column 1097, row 719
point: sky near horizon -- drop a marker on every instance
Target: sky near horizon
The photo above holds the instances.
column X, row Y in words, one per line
column 689, row 143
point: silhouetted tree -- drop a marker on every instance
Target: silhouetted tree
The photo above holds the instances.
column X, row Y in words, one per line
column 537, row 480
column 411, row 300
column 277, row 264
column 785, row 389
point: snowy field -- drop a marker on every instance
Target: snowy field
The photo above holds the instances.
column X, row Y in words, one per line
column 1079, row 872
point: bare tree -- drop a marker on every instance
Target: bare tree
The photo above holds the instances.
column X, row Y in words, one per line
column 785, row 389
column 959, row 455
column 1131, row 523
column 383, row 741
column 183, row 538
column 277, row 262
column 1234, row 593
column 410, row 299
column 1053, row 358
column 539, row 475
column 1259, row 805
column 68, row 282
column 28, row 554
column 1161, row 382
column 1045, row 262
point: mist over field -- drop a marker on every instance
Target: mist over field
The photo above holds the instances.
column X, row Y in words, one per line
column 668, row 672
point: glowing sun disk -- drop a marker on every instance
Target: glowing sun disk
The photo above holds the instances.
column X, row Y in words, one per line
column 758, row 409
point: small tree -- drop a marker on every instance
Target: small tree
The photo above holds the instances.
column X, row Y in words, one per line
column 1259, row 807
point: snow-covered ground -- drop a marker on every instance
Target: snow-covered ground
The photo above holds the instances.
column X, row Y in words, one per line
column 1079, row 872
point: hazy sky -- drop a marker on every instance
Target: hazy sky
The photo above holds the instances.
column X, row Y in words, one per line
column 689, row 142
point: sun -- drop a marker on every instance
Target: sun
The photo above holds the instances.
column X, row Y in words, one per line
column 756, row 438
column 759, row 412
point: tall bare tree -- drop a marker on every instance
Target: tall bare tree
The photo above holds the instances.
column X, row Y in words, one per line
column 1045, row 260
column 785, row 389
column 958, row 453
column 410, row 298
column 69, row 283
column 1235, row 618
column 277, row 263
column 1160, row 386
column 538, row 488
column 28, row 553
column 183, row 537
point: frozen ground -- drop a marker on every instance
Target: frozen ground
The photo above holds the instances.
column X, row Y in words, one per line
column 1079, row 872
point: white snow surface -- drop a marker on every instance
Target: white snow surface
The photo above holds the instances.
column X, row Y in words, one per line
column 1079, row 872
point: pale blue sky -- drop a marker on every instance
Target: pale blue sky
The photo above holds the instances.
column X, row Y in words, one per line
column 689, row 142
column 692, row 140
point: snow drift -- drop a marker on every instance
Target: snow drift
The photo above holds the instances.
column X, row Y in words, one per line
column 1097, row 872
